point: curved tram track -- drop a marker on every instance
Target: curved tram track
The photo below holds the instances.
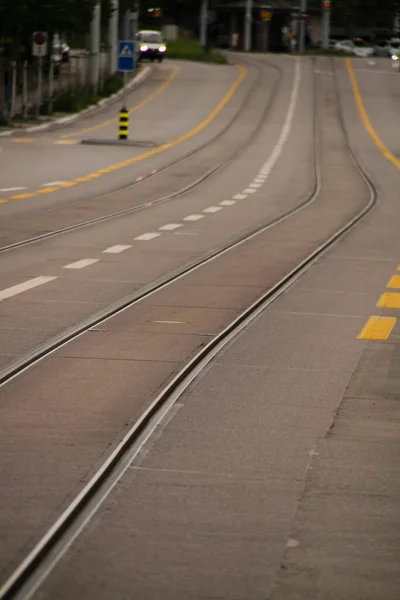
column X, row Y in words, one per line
column 261, row 68
column 31, row 573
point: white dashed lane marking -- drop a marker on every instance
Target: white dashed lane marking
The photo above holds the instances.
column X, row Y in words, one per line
column 80, row 264
column 250, row 191
column 145, row 237
column 228, row 202
column 193, row 218
column 255, row 185
column 170, row 227
column 12, row 189
column 116, row 249
column 240, row 197
column 23, row 287
column 212, row 209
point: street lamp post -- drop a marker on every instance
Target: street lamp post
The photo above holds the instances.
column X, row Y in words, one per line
column 248, row 19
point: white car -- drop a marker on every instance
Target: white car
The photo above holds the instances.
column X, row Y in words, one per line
column 356, row 47
column 151, row 45
column 393, row 47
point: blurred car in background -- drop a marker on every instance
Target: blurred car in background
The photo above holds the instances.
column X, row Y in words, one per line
column 357, row 47
column 151, row 45
column 61, row 50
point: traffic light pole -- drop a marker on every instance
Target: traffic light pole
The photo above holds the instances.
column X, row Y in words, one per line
column 302, row 32
column 326, row 25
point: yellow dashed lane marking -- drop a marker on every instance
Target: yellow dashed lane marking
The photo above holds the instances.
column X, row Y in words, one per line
column 22, row 196
column 47, row 190
column 131, row 110
column 394, row 282
column 153, row 152
column 377, row 328
column 22, row 140
column 389, row 300
column 365, row 119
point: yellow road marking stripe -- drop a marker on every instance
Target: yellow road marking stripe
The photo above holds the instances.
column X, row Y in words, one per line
column 48, row 190
column 159, row 149
column 22, row 196
column 2, row 201
column 394, row 282
column 377, row 328
column 389, row 300
column 22, row 140
column 132, row 110
column 364, row 116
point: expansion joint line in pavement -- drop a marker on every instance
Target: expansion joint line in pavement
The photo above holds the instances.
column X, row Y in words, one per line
column 153, row 152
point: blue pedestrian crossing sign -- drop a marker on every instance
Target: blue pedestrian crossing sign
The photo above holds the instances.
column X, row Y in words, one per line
column 126, row 56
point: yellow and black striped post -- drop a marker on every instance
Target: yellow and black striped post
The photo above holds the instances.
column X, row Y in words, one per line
column 123, row 124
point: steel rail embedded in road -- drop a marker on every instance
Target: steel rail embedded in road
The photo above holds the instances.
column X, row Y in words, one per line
column 259, row 66
column 50, row 549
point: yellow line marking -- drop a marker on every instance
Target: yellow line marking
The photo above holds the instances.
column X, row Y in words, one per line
column 154, row 151
column 22, row 140
column 394, row 282
column 131, row 110
column 2, row 201
column 22, row 196
column 389, row 300
column 47, row 190
column 364, row 116
column 377, row 328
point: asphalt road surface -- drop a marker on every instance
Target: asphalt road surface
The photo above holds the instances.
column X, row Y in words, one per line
column 272, row 473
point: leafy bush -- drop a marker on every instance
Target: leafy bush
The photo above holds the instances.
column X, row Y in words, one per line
column 78, row 98
column 192, row 50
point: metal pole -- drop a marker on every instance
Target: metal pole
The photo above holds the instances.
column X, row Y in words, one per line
column 95, row 47
column 203, row 22
column 302, row 33
column 39, row 87
column 248, row 19
column 51, row 85
column 327, row 27
column 25, row 90
column 113, row 36
column 13, row 90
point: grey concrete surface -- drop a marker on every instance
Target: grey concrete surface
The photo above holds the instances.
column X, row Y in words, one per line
column 275, row 477
column 115, row 276
column 110, row 372
column 166, row 110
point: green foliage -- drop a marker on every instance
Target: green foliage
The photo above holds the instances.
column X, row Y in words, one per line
column 20, row 18
column 78, row 98
column 191, row 50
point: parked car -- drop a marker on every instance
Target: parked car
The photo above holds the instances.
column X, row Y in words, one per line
column 151, row 45
column 357, row 47
column 393, row 47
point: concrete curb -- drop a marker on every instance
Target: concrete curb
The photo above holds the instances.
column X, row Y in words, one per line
column 136, row 81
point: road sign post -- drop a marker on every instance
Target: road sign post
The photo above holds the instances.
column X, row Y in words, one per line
column 39, row 49
column 126, row 64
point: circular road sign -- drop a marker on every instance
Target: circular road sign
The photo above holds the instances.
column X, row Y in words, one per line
column 39, row 38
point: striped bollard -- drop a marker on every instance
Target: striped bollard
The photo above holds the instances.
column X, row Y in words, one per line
column 123, row 124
